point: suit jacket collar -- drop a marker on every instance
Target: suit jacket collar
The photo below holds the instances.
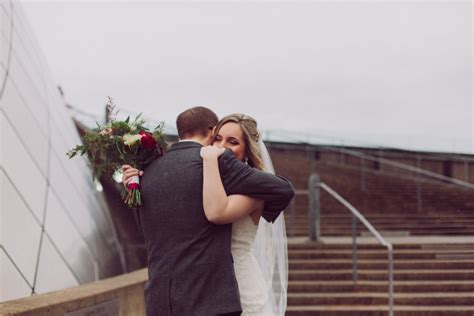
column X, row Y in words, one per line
column 184, row 144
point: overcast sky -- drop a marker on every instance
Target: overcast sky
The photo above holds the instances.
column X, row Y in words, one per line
column 389, row 73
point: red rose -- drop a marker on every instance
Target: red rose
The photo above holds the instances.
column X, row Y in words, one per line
column 147, row 140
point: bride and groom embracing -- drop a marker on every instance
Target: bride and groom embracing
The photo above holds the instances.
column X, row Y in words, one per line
column 208, row 252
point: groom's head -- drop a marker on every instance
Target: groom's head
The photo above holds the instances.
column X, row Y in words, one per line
column 197, row 122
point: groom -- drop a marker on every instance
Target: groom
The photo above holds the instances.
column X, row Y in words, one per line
column 190, row 266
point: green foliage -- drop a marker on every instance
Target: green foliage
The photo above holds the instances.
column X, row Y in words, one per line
column 107, row 151
column 120, row 143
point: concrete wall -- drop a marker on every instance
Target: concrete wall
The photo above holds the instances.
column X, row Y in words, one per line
column 127, row 289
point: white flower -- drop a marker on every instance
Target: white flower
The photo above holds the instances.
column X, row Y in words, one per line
column 131, row 139
column 107, row 131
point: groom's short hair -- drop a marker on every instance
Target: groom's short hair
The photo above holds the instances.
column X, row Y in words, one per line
column 196, row 121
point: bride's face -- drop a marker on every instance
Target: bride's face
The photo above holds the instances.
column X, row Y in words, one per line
column 231, row 136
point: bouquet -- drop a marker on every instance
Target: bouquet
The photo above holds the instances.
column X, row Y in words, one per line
column 118, row 143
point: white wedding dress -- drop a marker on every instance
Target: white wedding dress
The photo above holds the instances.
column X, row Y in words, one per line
column 261, row 260
column 252, row 286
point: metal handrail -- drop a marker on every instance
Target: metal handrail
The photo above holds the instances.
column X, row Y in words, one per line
column 315, row 217
column 304, row 138
column 404, row 166
column 390, row 162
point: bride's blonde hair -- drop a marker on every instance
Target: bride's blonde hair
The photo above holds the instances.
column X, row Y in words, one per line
column 251, row 137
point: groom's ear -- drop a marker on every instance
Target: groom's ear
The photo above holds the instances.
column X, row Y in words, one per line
column 210, row 133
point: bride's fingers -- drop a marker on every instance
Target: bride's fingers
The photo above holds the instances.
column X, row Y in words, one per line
column 126, row 176
column 131, row 172
column 125, row 167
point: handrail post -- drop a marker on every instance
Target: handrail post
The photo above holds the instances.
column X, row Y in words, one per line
column 466, row 170
column 354, row 249
column 314, row 207
column 419, row 198
column 363, row 185
column 390, row 280
column 290, row 217
column 356, row 215
column 342, row 159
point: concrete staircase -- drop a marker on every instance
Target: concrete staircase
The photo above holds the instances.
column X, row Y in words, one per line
column 387, row 225
column 433, row 246
column 429, row 279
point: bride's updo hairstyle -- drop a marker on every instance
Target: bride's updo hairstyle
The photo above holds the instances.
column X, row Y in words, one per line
column 249, row 129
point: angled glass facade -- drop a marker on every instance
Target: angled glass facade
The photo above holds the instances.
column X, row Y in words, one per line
column 54, row 230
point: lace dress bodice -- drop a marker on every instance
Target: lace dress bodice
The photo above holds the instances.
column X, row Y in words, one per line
column 252, row 287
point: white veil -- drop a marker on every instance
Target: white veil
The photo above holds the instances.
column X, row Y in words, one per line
column 270, row 249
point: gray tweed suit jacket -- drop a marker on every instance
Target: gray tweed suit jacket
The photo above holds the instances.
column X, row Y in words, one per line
column 190, row 266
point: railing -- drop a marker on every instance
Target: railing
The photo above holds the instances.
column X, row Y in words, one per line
column 315, row 233
column 399, row 165
column 417, row 170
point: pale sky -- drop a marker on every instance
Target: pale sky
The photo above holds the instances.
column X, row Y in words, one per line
column 384, row 73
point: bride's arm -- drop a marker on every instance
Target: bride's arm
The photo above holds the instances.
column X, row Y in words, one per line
column 218, row 207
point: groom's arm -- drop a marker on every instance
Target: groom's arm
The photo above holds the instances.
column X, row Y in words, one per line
column 239, row 178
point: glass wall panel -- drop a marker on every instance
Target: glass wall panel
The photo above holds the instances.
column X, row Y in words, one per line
column 25, row 123
column 17, row 286
column 20, row 230
column 65, row 235
column 53, row 272
column 22, row 169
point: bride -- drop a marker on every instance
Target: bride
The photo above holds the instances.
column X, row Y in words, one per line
column 259, row 249
column 255, row 244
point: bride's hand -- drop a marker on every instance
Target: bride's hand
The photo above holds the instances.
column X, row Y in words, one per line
column 211, row 152
column 128, row 173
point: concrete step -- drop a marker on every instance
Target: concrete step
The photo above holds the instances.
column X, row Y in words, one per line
column 371, row 298
column 312, row 245
column 394, row 223
column 316, row 246
column 336, row 264
column 399, row 219
column 375, row 254
column 345, row 214
column 379, row 310
column 414, row 232
column 372, row 275
column 440, row 286
column 390, row 226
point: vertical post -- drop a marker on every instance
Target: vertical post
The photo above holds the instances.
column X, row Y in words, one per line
column 342, row 158
column 354, row 248
column 314, row 207
column 419, row 201
column 390, row 280
column 466, row 171
column 291, row 216
column 362, row 174
column 380, row 157
column 311, row 156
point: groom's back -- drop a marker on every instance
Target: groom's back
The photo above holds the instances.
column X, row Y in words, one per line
column 189, row 260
